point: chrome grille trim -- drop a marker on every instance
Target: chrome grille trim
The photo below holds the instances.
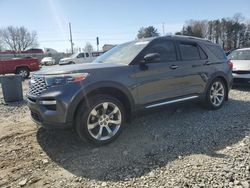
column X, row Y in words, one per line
column 37, row 85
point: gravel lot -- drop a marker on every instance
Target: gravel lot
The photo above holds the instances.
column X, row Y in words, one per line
column 184, row 146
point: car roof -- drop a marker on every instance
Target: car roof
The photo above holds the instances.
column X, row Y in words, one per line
column 178, row 37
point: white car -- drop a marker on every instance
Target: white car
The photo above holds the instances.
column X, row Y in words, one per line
column 241, row 65
column 47, row 61
column 77, row 58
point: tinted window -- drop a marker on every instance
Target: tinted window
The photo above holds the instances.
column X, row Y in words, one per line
column 87, row 54
column 202, row 54
column 81, row 55
column 166, row 49
column 240, row 55
column 189, row 52
column 217, row 51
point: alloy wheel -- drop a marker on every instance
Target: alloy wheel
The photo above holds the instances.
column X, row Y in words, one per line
column 104, row 121
column 217, row 93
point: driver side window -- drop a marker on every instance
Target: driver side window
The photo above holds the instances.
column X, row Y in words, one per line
column 81, row 55
column 166, row 49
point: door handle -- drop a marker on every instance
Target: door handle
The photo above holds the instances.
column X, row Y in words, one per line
column 208, row 63
column 174, row 67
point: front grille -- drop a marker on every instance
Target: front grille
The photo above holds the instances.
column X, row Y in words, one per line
column 37, row 85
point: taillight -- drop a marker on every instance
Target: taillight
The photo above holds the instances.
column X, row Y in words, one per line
column 230, row 64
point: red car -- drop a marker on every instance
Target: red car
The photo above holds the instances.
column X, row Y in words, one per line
column 22, row 66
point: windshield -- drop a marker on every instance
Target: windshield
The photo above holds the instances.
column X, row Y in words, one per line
column 240, row 55
column 122, row 54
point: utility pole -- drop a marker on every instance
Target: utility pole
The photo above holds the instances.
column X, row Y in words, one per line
column 71, row 41
column 97, row 43
column 163, row 28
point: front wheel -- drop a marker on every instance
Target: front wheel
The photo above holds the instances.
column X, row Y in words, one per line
column 100, row 120
column 216, row 94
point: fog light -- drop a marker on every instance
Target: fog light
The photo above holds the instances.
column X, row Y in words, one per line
column 49, row 102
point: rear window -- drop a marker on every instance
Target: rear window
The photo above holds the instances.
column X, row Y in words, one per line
column 240, row 55
column 217, row 51
column 189, row 52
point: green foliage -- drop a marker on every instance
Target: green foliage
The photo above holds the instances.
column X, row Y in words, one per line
column 146, row 32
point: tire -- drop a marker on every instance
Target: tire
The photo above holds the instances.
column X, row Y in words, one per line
column 71, row 62
column 216, row 94
column 24, row 72
column 92, row 118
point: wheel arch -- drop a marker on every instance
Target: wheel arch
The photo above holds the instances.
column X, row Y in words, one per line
column 112, row 88
column 223, row 78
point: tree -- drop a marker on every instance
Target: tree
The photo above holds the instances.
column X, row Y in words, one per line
column 146, row 32
column 1, row 41
column 88, row 48
column 230, row 33
column 18, row 38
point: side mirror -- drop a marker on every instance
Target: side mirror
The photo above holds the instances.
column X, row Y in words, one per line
column 152, row 58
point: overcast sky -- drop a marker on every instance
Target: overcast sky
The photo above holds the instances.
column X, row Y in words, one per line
column 114, row 21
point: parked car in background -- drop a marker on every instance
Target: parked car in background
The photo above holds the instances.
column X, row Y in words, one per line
column 241, row 65
column 97, row 98
column 22, row 66
column 47, row 61
column 80, row 58
column 77, row 58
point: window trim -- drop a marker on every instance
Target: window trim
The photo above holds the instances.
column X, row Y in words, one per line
column 193, row 44
column 139, row 57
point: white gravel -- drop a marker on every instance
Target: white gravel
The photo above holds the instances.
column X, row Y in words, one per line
column 184, row 146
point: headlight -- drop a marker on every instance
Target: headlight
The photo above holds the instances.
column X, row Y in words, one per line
column 65, row 79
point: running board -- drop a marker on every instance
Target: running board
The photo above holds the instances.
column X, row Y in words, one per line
column 173, row 101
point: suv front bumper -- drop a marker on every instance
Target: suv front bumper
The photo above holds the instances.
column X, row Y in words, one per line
column 52, row 108
column 48, row 116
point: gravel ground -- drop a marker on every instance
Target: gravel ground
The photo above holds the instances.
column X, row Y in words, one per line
column 184, row 146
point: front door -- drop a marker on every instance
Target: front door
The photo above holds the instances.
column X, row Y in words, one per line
column 159, row 80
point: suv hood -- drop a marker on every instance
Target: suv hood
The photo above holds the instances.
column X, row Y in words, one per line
column 66, row 69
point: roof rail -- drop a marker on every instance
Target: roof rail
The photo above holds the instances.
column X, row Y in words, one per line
column 188, row 37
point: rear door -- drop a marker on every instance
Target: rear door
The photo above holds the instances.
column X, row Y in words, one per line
column 191, row 66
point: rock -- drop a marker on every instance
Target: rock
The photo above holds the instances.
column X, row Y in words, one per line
column 95, row 150
column 151, row 174
column 45, row 161
column 156, row 137
column 104, row 184
column 125, row 152
column 236, row 182
column 245, row 184
column 23, row 182
column 136, row 170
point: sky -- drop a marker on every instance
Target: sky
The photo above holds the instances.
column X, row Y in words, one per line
column 113, row 21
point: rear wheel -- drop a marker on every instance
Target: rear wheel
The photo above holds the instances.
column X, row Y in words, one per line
column 23, row 71
column 100, row 121
column 216, row 94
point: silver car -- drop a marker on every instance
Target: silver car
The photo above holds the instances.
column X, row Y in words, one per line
column 241, row 65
